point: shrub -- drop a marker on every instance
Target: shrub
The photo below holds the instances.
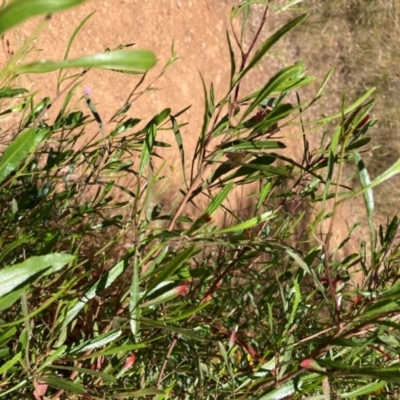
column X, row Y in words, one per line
column 109, row 294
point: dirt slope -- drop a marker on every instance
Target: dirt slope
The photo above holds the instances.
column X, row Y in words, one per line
column 196, row 26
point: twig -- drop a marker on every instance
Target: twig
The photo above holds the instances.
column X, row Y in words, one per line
column 58, row 95
column 245, row 55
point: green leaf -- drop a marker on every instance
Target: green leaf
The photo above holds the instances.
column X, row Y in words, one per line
column 32, row 268
column 159, row 118
column 274, row 85
column 165, row 295
column 15, row 153
column 358, row 143
column 96, row 342
column 306, row 268
column 103, row 283
column 374, row 387
column 8, row 92
column 246, row 224
column 160, row 325
column 134, row 309
column 389, row 173
column 147, row 148
column 179, row 141
column 9, row 299
column 349, row 109
column 255, row 145
column 10, row 363
column 54, row 355
column 8, row 335
column 232, row 58
column 100, row 374
column 141, row 393
column 167, row 270
column 67, row 385
column 13, row 245
column 17, row 11
column 128, row 124
column 114, row 350
column 70, row 41
column 267, row 44
column 380, row 308
column 265, row 191
column 289, row 388
column 368, row 194
column 127, row 60
column 332, row 161
column 218, row 199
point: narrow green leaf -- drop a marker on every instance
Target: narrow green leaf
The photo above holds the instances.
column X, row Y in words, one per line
column 96, row 115
column 54, row 355
column 296, row 301
column 267, row 44
column 206, row 121
column 218, row 199
column 179, row 141
column 10, row 363
column 8, row 335
column 273, row 85
column 124, row 126
column 389, row 173
column 255, row 145
column 147, row 148
column 86, row 371
column 160, row 325
column 165, row 296
column 373, row 387
column 103, row 283
column 8, row 92
column 232, row 58
column 21, row 274
column 15, row 153
column 9, row 299
column 306, row 268
column 17, row 11
column 186, row 314
column 324, row 82
column 141, row 393
column 380, row 308
column 67, row 385
column 167, row 270
column 223, row 353
column 134, row 309
column 127, row 60
column 368, row 194
column 159, row 118
column 115, row 350
column 289, row 388
column 246, row 224
column 266, row 189
column 358, row 143
column 349, row 109
column 69, row 44
column 96, row 342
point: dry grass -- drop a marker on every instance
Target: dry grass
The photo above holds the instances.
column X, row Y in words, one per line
column 361, row 39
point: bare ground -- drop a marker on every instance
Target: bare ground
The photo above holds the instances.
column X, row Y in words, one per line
column 198, row 31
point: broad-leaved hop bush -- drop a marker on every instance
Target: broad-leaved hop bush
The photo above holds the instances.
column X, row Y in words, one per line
column 107, row 294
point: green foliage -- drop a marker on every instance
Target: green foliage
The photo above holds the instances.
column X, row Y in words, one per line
column 108, row 293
